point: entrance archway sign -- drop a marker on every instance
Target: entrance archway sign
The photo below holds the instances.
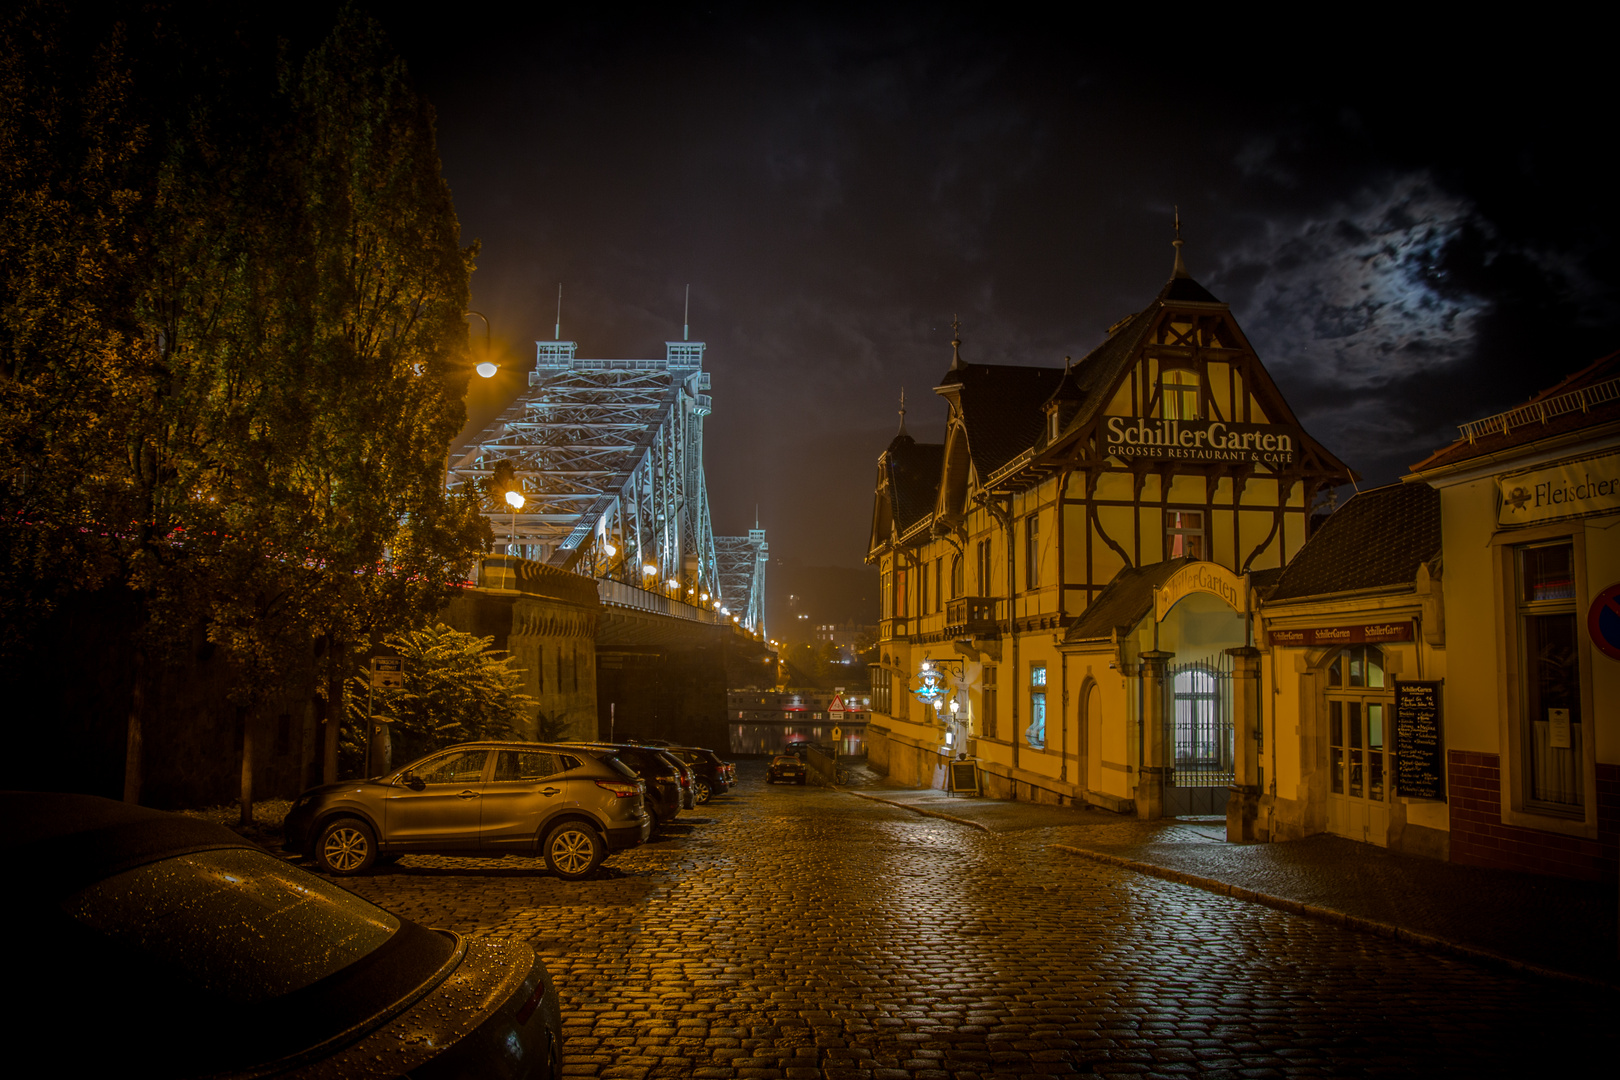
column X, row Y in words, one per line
column 1205, row 577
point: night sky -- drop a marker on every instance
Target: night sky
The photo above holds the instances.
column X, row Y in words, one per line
column 1411, row 222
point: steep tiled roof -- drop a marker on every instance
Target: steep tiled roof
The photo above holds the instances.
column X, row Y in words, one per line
column 1124, row 601
column 1525, row 431
column 1378, row 538
column 914, row 470
column 1001, row 409
column 1185, row 288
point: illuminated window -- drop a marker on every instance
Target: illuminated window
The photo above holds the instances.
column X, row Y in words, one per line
column 956, row 576
column 1178, row 395
column 1360, row 764
column 1550, row 695
column 1035, row 734
column 1184, row 534
column 939, row 593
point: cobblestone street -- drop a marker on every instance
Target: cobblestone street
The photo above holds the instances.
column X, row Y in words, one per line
column 802, row 932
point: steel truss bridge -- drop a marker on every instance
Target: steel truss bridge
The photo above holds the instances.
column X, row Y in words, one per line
column 609, row 458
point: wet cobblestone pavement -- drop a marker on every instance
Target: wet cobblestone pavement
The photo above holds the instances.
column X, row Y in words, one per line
column 803, row 932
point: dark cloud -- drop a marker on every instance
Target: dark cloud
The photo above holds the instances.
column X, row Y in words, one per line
column 1411, row 236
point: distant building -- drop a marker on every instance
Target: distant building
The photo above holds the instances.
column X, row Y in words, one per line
column 769, row 721
column 848, row 639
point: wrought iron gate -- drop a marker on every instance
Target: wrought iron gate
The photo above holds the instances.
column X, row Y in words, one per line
column 1198, row 716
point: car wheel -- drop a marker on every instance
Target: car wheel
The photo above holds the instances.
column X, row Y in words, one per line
column 574, row 850
column 346, row 846
column 701, row 793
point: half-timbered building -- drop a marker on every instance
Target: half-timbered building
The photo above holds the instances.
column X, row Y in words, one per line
column 1066, row 578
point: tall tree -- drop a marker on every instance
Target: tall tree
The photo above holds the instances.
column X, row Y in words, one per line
column 231, row 291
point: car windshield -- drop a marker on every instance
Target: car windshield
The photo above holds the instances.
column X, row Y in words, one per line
column 243, row 926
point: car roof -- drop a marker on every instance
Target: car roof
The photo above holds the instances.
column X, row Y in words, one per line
column 69, row 841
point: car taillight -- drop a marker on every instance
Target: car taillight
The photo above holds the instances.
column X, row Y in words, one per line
column 526, row 1010
column 686, row 781
column 623, row 789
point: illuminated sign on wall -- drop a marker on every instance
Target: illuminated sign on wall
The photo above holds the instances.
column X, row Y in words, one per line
column 1200, row 440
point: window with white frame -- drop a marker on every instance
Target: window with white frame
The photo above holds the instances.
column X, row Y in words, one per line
column 1550, row 691
column 1036, row 733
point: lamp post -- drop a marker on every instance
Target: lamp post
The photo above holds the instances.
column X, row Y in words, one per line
column 487, row 368
column 514, row 499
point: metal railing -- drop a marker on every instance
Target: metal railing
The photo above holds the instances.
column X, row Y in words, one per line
column 975, row 614
column 622, row 595
column 1541, row 411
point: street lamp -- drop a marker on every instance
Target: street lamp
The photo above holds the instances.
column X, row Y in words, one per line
column 514, row 499
column 486, row 369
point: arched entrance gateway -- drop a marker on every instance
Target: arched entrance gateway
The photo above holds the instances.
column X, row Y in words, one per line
column 1201, row 647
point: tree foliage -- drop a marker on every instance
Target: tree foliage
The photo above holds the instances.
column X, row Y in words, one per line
column 456, row 689
column 232, row 352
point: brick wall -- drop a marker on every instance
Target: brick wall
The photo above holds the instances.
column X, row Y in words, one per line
column 1479, row 837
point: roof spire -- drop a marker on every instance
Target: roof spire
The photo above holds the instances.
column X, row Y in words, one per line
column 902, row 411
column 956, row 344
column 1180, row 267
column 686, row 318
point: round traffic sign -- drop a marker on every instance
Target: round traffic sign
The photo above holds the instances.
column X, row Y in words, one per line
column 1603, row 621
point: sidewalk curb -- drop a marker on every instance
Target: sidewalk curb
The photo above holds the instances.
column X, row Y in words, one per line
column 1355, row 922
column 917, row 809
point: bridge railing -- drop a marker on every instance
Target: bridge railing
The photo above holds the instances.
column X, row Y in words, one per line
column 622, row 595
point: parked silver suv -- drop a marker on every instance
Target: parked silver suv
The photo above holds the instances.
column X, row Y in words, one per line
column 570, row 804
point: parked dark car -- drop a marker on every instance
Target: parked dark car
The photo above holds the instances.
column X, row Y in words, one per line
column 571, row 804
column 786, row 768
column 151, row 944
column 712, row 776
column 668, row 784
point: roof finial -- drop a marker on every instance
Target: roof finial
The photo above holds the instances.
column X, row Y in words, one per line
column 956, row 344
column 556, row 333
column 1180, row 267
column 902, row 410
column 686, row 319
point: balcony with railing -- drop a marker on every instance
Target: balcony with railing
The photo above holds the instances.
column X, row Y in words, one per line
column 974, row 615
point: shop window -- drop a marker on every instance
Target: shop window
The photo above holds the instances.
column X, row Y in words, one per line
column 1178, row 395
column 1035, row 734
column 989, row 701
column 1357, row 666
column 1551, row 681
column 1184, row 534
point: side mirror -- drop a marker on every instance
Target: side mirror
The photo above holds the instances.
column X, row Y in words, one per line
column 412, row 781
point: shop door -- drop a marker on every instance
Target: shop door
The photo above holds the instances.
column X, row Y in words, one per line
column 1361, row 765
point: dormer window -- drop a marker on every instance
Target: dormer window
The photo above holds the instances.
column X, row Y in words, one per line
column 1178, row 394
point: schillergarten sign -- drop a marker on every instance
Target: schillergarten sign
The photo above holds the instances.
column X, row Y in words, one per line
column 1199, row 440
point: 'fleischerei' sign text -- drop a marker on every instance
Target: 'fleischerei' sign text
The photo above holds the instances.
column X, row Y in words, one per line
column 1573, row 489
column 1199, row 440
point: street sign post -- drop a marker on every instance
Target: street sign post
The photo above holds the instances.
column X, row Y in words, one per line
column 387, row 672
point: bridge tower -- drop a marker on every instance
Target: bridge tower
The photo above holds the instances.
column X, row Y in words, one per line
column 609, row 458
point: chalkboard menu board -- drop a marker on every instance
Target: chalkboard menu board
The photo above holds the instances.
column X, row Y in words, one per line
column 964, row 777
column 1420, row 752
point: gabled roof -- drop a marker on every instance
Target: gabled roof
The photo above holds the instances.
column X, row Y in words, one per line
column 914, row 470
column 1577, row 401
column 1377, row 539
column 1002, row 409
column 1124, row 601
